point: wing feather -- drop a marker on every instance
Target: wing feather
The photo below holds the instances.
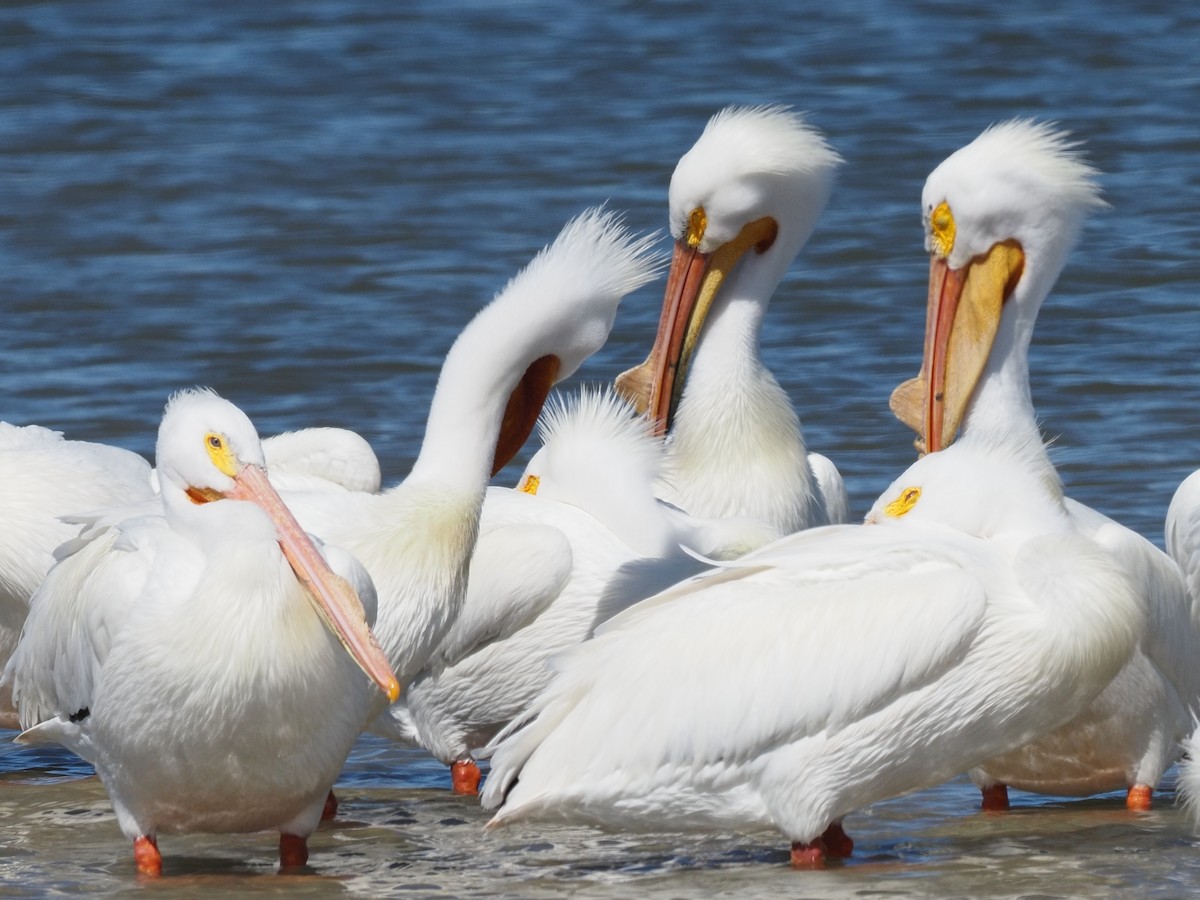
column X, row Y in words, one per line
column 913, row 606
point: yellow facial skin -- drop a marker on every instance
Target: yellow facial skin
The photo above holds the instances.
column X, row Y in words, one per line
column 962, row 319
column 529, row 484
column 942, row 229
column 906, row 501
column 695, row 279
column 222, row 454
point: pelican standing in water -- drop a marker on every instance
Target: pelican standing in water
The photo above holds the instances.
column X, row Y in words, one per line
column 1006, row 209
column 208, row 662
column 841, row 666
column 743, row 201
column 417, row 539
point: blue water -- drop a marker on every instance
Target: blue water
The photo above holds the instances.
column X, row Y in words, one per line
column 300, row 204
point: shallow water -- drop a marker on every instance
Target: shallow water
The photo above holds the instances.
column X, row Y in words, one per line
column 301, row 204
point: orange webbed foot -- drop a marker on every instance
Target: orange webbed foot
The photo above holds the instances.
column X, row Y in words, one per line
column 146, row 856
column 808, row 856
column 995, row 798
column 837, row 843
column 293, row 851
column 465, row 776
column 1139, row 798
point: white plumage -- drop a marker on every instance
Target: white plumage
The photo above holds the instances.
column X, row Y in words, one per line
column 42, row 478
column 581, row 538
column 841, row 666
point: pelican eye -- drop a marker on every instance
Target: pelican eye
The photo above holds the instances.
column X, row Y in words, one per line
column 941, row 229
column 907, row 500
column 221, row 453
column 697, row 224
column 529, row 484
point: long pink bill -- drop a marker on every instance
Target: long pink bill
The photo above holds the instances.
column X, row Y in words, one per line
column 331, row 595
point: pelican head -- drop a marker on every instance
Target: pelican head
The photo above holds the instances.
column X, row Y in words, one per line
column 209, row 451
column 1000, row 216
column 748, row 192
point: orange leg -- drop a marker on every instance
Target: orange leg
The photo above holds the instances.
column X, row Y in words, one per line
column 1139, row 798
column 833, row 842
column 995, row 798
column 464, row 777
column 293, row 851
column 808, row 856
column 331, row 807
column 146, row 856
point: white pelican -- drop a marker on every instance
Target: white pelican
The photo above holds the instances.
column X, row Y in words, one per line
column 49, row 485
column 417, row 538
column 206, row 661
column 581, row 538
column 1007, row 208
column 841, row 666
column 743, row 201
column 43, row 477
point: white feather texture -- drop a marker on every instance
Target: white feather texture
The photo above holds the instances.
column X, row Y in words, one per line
column 43, row 478
column 551, row 566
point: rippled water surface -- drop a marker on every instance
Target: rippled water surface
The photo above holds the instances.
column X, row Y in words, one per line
column 300, row 204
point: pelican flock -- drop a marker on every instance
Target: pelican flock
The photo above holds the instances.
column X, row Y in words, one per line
column 667, row 624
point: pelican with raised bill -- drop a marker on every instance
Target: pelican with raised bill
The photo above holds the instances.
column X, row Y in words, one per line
column 1001, row 215
column 742, row 202
column 211, row 662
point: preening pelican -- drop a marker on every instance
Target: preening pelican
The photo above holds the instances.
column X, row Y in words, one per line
column 743, row 201
column 417, row 538
column 843, row 665
column 43, row 477
column 1001, row 215
column 581, row 538
column 208, row 661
